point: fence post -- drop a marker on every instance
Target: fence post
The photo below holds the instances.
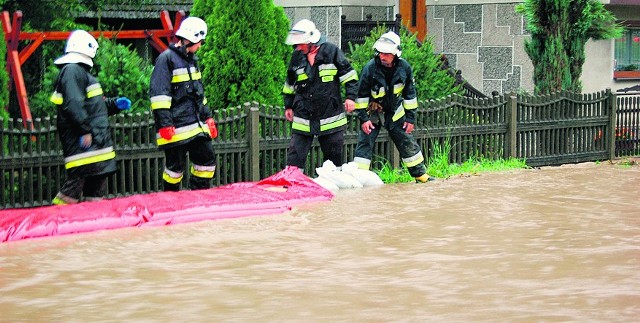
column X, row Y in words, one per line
column 252, row 113
column 394, row 159
column 611, row 135
column 397, row 25
column 512, row 125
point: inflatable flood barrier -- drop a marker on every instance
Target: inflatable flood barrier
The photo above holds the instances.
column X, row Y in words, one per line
column 273, row 195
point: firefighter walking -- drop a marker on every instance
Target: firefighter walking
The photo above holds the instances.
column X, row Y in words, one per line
column 183, row 120
column 83, row 122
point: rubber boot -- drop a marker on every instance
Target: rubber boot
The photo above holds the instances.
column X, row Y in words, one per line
column 424, row 178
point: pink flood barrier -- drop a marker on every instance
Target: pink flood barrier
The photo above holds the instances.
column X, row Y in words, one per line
column 273, row 195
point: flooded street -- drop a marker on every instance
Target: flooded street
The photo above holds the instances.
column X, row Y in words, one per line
column 550, row 244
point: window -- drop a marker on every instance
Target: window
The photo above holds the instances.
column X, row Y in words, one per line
column 627, row 51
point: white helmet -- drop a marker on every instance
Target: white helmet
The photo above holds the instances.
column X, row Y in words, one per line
column 81, row 48
column 389, row 43
column 193, row 29
column 303, row 32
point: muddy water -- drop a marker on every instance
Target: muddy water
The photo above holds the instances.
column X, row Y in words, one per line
column 551, row 244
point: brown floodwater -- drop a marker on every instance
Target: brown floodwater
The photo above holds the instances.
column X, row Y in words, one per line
column 549, row 244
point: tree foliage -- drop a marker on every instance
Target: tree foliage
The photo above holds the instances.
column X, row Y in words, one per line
column 52, row 15
column 560, row 30
column 244, row 56
column 120, row 70
column 431, row 80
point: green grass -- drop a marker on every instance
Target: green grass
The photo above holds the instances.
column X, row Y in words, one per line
column 439, row 167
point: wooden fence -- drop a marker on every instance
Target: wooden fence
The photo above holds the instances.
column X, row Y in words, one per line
column 253, row 141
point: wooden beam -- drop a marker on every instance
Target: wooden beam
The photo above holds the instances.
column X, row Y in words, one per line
column 16, row 58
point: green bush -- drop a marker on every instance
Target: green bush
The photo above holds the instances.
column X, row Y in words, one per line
column 120, row 70
column 244, row 56
column 432, row 82
column 559, row 31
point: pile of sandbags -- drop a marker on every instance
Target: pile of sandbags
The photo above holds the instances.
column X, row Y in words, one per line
column 347, row 176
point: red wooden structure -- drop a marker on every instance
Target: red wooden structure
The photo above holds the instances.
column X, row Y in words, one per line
column 16, row 57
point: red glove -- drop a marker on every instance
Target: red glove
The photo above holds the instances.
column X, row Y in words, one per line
column 213, row 130
column 167, row 132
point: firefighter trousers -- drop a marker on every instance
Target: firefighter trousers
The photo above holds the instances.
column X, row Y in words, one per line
column 201, row 155
column 300, row 145
column 405, row 142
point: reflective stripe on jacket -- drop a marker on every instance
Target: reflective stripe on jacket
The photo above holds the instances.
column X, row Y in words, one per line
column 83, row 109
column 314, row 93
column 397, row 98
column 177, row 97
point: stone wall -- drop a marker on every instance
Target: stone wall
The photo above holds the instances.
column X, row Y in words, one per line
column 486, row 42
column 327, row 18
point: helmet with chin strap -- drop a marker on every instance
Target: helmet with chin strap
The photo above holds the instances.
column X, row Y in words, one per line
column 388, row 43
column 192, row 29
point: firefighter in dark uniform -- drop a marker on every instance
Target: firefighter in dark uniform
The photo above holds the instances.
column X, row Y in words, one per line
column 183, row 120
column 83, row 122
column 312, row 96
column 387, row 98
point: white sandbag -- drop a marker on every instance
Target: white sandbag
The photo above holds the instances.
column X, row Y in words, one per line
column 332, row 173
column 364, row 176
column 327, row 184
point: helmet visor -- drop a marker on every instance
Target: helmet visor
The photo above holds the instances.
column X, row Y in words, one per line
column 385, row 45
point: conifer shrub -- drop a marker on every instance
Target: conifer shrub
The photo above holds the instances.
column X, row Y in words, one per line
column 244, row 56
column 431, row 80
column 120, row 71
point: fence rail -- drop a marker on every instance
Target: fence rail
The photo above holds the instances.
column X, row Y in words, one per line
column 253, row 140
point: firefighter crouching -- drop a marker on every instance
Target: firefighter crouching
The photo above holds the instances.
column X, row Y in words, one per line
column 387, row 98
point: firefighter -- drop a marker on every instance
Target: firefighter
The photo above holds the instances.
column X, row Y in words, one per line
column 387, row 98
column 312, row 96
column 183, row 120
column 83, row 122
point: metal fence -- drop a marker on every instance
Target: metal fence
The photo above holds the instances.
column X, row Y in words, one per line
column 355, row 32
column 253, row 141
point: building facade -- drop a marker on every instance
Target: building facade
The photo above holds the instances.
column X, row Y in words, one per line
column 485, row 39
column 482, row 38
column 327, row 14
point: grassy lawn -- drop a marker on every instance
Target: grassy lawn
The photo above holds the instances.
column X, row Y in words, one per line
column 439, row 167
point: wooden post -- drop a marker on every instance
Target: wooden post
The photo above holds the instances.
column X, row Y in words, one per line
column 252, row 112
column 512, row 125
column 611, row 134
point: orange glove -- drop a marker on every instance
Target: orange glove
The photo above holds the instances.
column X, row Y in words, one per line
column 213, row 130
column 167, row 132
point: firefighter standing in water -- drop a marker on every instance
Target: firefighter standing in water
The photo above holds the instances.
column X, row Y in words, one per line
column 83, row 122
column 182, row 117
column 312, row 97
column 387, row 98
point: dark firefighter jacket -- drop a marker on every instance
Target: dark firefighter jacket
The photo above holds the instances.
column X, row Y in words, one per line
column 83, row 109
column 313, row 92
column 397, row 97
column 177, row 97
